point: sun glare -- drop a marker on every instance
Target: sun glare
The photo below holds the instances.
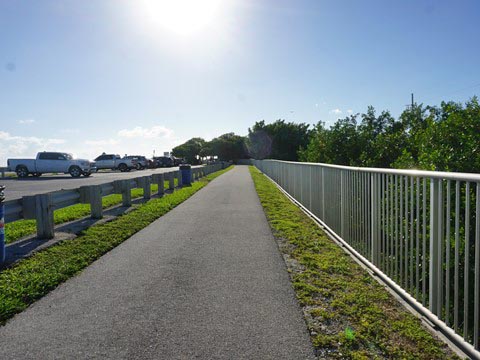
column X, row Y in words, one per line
column 183, row 17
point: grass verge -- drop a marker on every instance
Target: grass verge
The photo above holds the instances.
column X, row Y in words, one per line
column 18, row 229
column 348, row 313
column 32, row 278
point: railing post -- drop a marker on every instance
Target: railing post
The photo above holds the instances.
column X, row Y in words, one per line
column 124, row 187
column 178, row 174
column 44, row 216
column 171, row 180
column 435, row 264
column 2, row 225
column 146, row 184
column 92, row 194
column 159, row 179
column 342, row 204
column 323, row 193
column 374, row 233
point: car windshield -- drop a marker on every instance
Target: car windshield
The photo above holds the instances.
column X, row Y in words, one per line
column 68, row 156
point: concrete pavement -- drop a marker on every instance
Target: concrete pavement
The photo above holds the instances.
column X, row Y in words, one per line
column 205, row 281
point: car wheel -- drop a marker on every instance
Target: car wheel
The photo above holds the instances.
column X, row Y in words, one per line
column 75, row 171
column 122, row 167
column 22, row 171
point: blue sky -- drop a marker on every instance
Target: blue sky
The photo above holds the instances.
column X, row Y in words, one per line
column 92, row 76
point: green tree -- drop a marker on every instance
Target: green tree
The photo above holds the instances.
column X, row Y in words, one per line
column 227, row 147
column 279, row 140
column 451, row 142
column 317, row 149
column 189, row 150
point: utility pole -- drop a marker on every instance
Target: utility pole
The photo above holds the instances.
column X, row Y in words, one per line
column 411, row 105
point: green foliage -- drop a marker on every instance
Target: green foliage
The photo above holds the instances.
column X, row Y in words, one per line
column 32, row 278
column 445, row 138
column 451, row 142
column 226, row 147
column 280, row 140
column 189, row 150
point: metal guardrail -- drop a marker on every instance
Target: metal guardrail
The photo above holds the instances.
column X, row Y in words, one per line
column 41, row 207
column 420, row 230
column 3, row 170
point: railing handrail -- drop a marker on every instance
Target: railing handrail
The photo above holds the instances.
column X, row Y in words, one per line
column 459, row 176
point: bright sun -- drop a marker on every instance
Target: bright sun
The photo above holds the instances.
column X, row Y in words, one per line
column 184, row 17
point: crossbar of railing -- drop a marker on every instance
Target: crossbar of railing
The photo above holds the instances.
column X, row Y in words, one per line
column 421, row 229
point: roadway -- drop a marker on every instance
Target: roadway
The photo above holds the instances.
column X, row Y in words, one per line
column 205, row 281
column 16, row 188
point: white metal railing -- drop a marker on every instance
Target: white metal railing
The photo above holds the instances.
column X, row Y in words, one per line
column 420, row 229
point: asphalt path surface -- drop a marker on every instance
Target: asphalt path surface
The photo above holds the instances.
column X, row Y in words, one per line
column 16, row 188
column 205, row 281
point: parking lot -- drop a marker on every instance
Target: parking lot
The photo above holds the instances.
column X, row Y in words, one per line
column 16, row 188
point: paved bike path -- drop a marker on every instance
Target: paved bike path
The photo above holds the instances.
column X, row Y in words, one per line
column 205, row 281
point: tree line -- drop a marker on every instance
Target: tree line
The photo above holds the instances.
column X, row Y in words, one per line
column 443, row 138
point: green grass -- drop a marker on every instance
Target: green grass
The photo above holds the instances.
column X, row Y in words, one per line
column 32, row 278
column 18, row 229
column 349, row 314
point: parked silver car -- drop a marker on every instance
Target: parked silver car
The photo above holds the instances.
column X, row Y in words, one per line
column 51, row 162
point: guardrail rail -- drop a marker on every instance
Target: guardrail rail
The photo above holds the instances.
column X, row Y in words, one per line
column 41, row 207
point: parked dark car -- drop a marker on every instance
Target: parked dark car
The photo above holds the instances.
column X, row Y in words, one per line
column 177, row 161
column 164, row 161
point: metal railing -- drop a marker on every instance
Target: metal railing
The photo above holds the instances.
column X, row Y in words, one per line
column 41, row 207
column 420, row 230
column 3, row 170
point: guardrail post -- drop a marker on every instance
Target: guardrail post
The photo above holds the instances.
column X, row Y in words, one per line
column 124, row 187
column 178, row 175
column 159, row 179
column 171, row 180
column 2, row 225
column 146, row 184
column 126, row 193
column 42, row 213
column 92, row 195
